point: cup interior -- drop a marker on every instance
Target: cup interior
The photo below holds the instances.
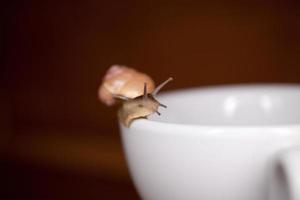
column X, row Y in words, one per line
column 232, row 105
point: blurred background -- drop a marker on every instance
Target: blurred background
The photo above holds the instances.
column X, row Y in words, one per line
column 56, row 140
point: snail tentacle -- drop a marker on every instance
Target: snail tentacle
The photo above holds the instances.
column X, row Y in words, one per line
column 145, row 92
column 162, row 105
column 158, row 88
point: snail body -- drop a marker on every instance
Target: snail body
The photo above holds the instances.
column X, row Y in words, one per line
column 137, row 108
column 135, row 90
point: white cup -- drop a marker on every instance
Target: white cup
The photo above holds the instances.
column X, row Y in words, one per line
column 234, row 142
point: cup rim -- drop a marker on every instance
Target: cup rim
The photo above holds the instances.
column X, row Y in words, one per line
column 148, row 123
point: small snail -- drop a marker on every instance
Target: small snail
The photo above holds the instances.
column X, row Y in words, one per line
column 135, row 89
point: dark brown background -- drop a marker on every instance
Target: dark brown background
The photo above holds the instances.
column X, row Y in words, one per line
column 57, row 140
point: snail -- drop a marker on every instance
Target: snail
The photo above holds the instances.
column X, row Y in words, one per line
column 136, row 90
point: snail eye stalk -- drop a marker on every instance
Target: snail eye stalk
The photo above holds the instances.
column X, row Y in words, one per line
column 158, row 88
column 145, row 92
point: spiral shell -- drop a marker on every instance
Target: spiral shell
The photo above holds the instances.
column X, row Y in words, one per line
column 123, row 82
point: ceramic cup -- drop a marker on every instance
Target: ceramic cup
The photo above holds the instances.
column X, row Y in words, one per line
column 239, row 142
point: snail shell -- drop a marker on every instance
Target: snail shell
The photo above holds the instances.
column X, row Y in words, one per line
column 124, row 83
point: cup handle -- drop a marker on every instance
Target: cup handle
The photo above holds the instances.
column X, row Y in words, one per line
column 285, row 176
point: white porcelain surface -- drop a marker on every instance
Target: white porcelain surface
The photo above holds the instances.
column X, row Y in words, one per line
column 218, row 143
